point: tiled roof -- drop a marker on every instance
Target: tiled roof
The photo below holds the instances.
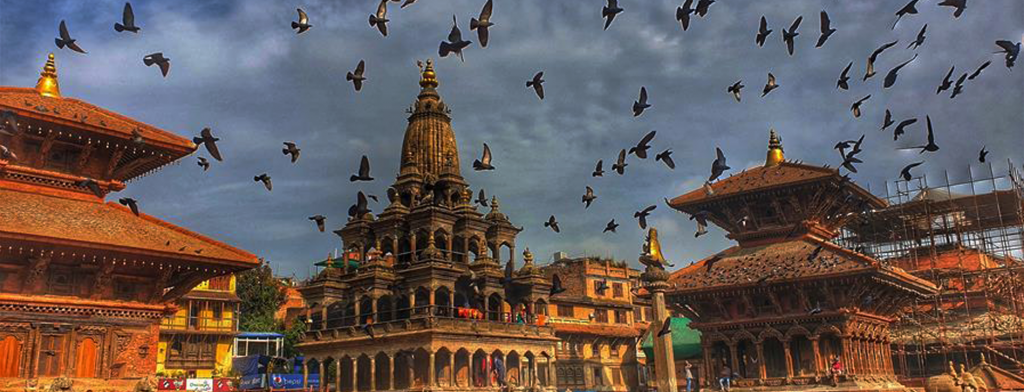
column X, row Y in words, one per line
column 26, row 102
column 597, row 330
column 90, row 223
column 760, row 177
column 777, row 262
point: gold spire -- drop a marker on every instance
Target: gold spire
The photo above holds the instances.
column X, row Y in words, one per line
column 428, row 79
column 775, row 152
column 47, row 85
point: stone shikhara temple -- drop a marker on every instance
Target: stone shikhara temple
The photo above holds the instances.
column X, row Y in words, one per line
column 84, row 283
column 779, row 306
column 422, row 300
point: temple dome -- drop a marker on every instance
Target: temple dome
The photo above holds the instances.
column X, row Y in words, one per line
column 429, row 139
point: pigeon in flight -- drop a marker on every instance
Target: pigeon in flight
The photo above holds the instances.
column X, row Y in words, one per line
column 620, row 165
column 609, row 11
column 481, row 25
column 380, row 19
column 856, row 106
column 364, row 171
column 484, row 163
column 481, row 198
column 356, row 77
column 291, row 149
column 788, row 36
column 931, row 146
column 319, row 219
column 771, row 85
column 302, row 25
column 905, row 173
column 203, row 163
column 762, row 32
column 978, row 71
column 735, row 89
column 666, row 157
column 1011, row 50
column 641, row 216
column 207, row 140
column 158, row 58
column 683, row 14
column 959, row 86
column 718, row 166
column 537, row 83
column 598, row 171
column 130, row 203
column 910, row 8
column 960, row 5
column 826, row 29
column 844, row 78
column 920, row 38
column 890, row 78
column 92, row 186
column 455, row 43
column 874, row 56
column 702, row 223
column 982, row 154
column 901, row 128
column 887, row 121
column 640, row 150
column 66, row 40
column 552, row 223
column 265, row 179
column 611, row 226
column 666, row 327
column 589, row 197
column 127, row 20
column 641, row 104
column 360, row 208
column 946, row 82
column 6, row 154
column 702, row 7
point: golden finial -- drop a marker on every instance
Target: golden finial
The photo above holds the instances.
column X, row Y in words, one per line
column 47, row 85
column 428, row 79
column 527, row 256
column 775, row 152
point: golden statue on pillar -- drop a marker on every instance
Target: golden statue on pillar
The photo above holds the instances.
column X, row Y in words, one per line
column 652, row 256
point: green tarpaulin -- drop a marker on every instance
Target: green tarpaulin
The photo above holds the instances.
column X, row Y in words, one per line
column 685, row 341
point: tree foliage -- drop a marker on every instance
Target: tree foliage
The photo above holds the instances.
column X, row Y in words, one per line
column 261, row 295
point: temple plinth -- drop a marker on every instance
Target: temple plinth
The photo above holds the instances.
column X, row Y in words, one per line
column 656, row 282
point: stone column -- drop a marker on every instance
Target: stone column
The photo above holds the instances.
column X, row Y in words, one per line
column 762, row 371
column 451, row 369
column 815, row 347
column 391, row 372
column 337, row 374
column 323, row 383
column 373, row 373
column 786, row 345
column 664, row 359
column 373, row 310
column 431, row 369
column 358, row 312
column 305, row 374
column 552, row 375
column 355, row 374
column 412, row 251
column 734, row 360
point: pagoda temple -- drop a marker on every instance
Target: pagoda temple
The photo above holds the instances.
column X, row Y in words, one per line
column 421, row 300
column 84, row 283
column 785, row 303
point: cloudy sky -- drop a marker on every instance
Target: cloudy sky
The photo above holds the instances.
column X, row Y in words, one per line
column 238, row 68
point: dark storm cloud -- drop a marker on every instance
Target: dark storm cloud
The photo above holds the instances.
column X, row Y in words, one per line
column 237, row 68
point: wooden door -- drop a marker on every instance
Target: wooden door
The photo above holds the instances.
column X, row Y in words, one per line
column 51, row 355
column 10, row 356
column 85, row 358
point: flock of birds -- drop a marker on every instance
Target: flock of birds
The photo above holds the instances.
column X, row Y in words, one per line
column 481, row 23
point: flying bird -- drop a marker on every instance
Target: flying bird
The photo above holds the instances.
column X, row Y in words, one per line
column 931, row 146
column 589, row 197
column 702, row 223
column 890, row 78
column 887, row 121
column 610, row 226
column 303, row 24
column 265, row 179
column 6, row 154
column 481, row 198
column 380, row 19
column 910, row 8
column 484, row 163
column 552, row 223
column 537, row 83
column 703, row 6
column 207, row 140
column 127, row 20
column 357, row 77
column 874, row 56
column 360, row 208
column 1011, row 50
column 609, row 11
column 905, row 173
column 620, row 165
column 982, row 154
column 291, row 149
column 407, row 3
column 598, row 171
column 481, row 25
column 556, row 285
column 666, row 157
column 641, row 104
column 683, row 14
column 718, row 166
column 319, row 219
column 601, row 286
column 455, row 43
column 640, row 150
column 762, row 32
column 364, row 171
column 826, row 29
column 666, row 327
column 203, row 163
column 920, row 38
column 771, row 85
column 946, row 82
column 789, row 35
column 735, row 89
column 158, row 58
column 959, row 86
column 855, row 108
column 844, row 78
column 92, row 186
column 641, row 216
column 66, row 40
column 901, row 128
column 130, row 203
column 960, row 5
column 978, row 71
column 137, row 137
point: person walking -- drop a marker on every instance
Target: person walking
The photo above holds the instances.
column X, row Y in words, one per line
column 689, row 376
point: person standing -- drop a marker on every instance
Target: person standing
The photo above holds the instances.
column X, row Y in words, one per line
column 689, row 376
column 725, row 378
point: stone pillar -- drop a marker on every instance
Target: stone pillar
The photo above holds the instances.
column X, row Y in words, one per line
column 762, row 371
column 816, row 348
column 323, row 383
column 358, row 312
column 355, row 374
column 552, row 375
column 305, row 374
column 412, row 251
column 373, row 373
column 337, row 375
column 664, row 359
column 411, row 359
column 391, row 372
column 451, row 369
column 373, row 310
column 734, row 360
column 431, row 369
column 787, row 347
column 451, row 303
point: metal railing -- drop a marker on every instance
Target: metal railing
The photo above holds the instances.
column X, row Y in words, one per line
column 428, row 312
column 199, row 324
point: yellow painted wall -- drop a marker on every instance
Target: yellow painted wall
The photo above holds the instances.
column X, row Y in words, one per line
column 179, row 321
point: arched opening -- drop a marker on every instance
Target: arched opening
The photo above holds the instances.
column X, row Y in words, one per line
column 480, row 369
column 422, row 301
column 349, row 318
column 403, row 370
column 382, row 371
column 387, row 245
column 462, row 374
column 459, row 249
column 365, row 311
column 442, row 302
column 404, row 251
column 316, row 318
column 345, row 382
column 335, row 314
column 402, row 307
column 512, row 363
column 774, row 357
column 494, row 307
column 746, row 353
column 421, row 368
column 421, row 243
column 529, row 369
column 441, row 243
column 540, row 307
column 507, row 248
column 363, row 373
column 474, row 249
column 501, row 369
column 443, row 367
column 330, row 372
column 85, row 358
column 720, row 357
column 803, row 356
column 385, row 309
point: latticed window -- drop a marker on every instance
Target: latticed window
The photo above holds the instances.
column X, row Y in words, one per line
column 565, row 311
column 601, row 315
column 620, row 317
column 617, row 290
